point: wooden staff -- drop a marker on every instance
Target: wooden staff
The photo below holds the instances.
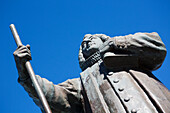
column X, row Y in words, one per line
column 31, row 73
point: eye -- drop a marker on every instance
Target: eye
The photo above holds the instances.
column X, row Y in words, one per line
column 93, row 38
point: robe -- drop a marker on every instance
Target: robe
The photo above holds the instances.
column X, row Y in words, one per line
column 110, row 86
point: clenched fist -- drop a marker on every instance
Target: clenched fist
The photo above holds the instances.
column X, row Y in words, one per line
column 21, row 55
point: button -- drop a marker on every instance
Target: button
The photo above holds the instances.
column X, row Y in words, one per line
column 116, row 80
column 110, row 73
column 120, row 89
column 126, row 99
column 133, row 111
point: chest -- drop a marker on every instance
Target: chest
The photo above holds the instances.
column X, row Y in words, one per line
column 121, row 91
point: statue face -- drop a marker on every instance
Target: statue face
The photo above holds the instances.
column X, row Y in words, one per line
column 91, row 45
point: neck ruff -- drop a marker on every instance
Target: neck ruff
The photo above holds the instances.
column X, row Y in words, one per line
column 91, row 60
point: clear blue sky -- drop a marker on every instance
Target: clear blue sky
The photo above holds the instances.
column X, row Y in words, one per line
column 55, row 29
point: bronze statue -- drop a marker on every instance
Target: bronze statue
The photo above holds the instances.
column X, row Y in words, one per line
column 116, row 77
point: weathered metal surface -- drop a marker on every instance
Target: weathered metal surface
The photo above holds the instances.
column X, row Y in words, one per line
column 110, row 97
column 156, row 91
column 106, row 90
column 94, row 95
column 130, row 93
column 116, row 92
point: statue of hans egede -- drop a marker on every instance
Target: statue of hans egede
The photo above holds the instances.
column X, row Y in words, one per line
column 116, row 77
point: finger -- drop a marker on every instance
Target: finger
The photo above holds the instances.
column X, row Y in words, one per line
column 24, row 51
column 24, row 48
column 28, row 46
column 15, row 53
column 20, row 46
column 25, row 56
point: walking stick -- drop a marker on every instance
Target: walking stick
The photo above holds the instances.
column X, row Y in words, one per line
column 31, row 73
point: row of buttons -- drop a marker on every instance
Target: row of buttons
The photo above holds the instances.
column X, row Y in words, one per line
column 116, row 80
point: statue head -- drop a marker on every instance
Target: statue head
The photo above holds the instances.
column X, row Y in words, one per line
column 89, row 46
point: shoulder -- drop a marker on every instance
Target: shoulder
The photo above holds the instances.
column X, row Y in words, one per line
column 73, row 84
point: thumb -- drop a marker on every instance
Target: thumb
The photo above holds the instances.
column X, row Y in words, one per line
column 28, row 46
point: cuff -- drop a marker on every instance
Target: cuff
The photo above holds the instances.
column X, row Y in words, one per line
column 121, row 42
column 23, row 79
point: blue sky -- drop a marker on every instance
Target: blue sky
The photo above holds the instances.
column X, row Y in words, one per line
column 55, row 29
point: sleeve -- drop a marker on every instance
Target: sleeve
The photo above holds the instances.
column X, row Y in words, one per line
column 65, row 97
column 148, row 47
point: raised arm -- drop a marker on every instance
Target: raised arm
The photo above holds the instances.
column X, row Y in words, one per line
column 148, row 47
column 65, row 97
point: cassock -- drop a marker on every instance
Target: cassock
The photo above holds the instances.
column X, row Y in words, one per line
column 120, row 81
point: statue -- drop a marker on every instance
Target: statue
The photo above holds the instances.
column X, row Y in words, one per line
column 116, row 77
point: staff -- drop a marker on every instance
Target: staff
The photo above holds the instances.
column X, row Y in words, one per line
column 31, row 73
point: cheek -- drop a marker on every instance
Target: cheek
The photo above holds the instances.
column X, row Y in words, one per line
column 99, row 43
